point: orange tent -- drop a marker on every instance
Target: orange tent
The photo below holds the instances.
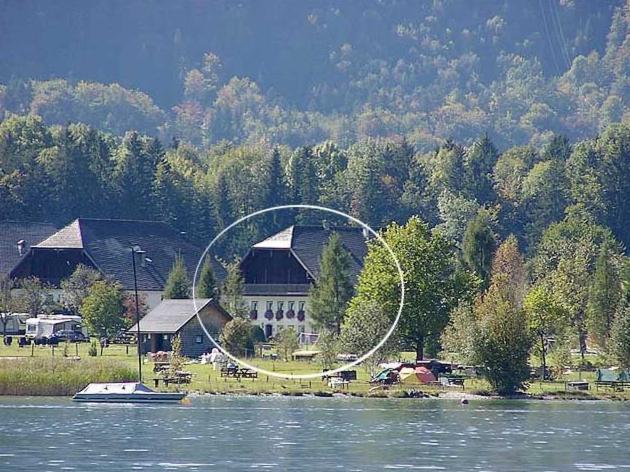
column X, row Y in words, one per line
column 416, row 375
column 425, row 375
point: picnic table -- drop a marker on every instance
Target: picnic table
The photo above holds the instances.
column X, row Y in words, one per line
column 338, row 382
column 247, row 373
column 159, row 367
column 179, row 377
column 237, row 373
column 346, row 375
column 229, row 371
column 577, row 385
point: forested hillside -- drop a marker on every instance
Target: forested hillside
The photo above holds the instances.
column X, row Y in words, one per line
column 483, row 119
column 299, row 73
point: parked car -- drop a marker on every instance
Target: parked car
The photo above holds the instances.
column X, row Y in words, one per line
column 123, row 337
column 70, row 336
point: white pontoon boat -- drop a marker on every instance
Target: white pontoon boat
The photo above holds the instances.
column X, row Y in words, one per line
column 129, row 392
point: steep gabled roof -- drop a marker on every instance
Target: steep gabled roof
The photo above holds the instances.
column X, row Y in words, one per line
column 13, row 231
column 108, row 243
column 172, row 315
column 307, row 243
column 68, row 237
column 281, row 240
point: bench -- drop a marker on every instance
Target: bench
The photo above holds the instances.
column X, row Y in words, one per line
column 453, row 381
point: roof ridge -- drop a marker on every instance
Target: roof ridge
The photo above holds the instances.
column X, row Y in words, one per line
column 329, row 228
column 21, row 222
column 122, row 220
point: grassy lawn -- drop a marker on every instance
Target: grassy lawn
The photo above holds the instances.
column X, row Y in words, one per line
column 120, row 360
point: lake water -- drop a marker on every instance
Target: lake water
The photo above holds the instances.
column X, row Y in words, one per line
column 314, row 434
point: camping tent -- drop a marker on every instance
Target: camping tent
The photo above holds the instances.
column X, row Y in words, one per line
column 416, row 375
column 385, row 376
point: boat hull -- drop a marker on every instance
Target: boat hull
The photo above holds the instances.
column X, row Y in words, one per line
column 129, row 398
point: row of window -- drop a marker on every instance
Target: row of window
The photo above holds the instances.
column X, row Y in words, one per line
column 279, row 306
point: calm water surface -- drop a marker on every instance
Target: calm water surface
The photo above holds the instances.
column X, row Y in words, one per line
column 313, row 434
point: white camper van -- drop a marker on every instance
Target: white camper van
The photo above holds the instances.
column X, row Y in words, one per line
column 46, row 327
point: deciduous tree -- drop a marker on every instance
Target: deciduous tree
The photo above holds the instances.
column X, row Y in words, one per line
column 103, row 309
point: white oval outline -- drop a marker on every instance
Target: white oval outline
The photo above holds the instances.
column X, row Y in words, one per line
column 315, row 375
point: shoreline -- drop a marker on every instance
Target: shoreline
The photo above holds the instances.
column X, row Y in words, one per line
column 395, row 395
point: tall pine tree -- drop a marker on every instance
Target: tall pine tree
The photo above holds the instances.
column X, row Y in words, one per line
column 207, row 285
column 232, row 291
column 478, row 245
column 329, row 297
column 177, row 284
column 604, row 295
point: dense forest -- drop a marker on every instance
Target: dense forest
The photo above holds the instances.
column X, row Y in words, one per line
column 485, row 121
column 299, row 73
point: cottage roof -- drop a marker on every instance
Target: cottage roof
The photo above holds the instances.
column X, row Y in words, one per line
column 108, row 243
column 172, row 315
column 11, row 232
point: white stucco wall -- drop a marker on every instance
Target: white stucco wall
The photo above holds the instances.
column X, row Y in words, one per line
column 262, row 301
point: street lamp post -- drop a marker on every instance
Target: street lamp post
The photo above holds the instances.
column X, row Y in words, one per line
column 136, row 250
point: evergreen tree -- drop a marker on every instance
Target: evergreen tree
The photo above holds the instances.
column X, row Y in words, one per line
column 206, row 286
column 604, row 295
column 236, row 337
column 177, row 284
column 222, row 201
column 232, row 291
column 503, row 343
column 330, row 295
column 478, row 245
column 277, row 188
column 135, row 172
column 480, row 161
column 303, row 184
column 276, row 194
column 620, row 336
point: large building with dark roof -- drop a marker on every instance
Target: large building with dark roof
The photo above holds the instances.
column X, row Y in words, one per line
column 105, row 245
column 16, row 239
column 280, row 270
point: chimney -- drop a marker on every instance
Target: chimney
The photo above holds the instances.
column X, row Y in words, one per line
column 143, row 259
column 326, row 225
column 366, row 233
column 21, row 247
